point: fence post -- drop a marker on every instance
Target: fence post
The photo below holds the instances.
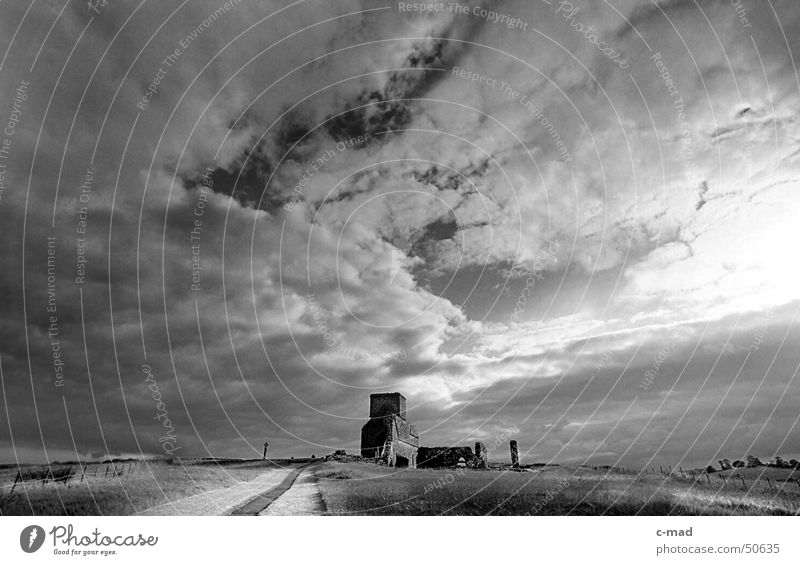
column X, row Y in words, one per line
column 708, row 478
column 769, row 482
column 15, row 483
column 106, row 471
column 743, row 483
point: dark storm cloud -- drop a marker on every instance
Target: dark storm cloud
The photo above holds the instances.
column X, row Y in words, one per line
column 389, row 109
column 303, row 310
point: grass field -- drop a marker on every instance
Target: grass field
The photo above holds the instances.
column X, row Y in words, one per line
column 359, row 488
column 363, row 488
column 143, row 485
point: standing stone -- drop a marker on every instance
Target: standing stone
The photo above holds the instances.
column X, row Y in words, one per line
column 514, row 453
column 481, row 456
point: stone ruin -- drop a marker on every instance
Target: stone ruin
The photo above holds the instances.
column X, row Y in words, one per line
column 443, row 456
column 440, row 457
column 388, row 436
column 481, row 460
column 514, row 453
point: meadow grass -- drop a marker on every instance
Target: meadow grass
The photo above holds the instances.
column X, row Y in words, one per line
column 371, row 489
column 146, row 484
column 364, row 488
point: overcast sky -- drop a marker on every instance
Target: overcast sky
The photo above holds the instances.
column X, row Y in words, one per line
column 574, row 223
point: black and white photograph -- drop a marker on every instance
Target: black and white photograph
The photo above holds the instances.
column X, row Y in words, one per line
column 341, row 259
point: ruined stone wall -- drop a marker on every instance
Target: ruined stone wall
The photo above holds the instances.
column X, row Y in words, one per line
column 443, row 456
column 386, row 404
column 403, row 431
column 481, row 456
column 387, row 437
column 406, row 450
column 372, row 438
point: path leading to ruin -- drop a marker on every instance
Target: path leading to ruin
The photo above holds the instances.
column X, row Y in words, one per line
column 226, row 500
column 260, row 503
column 302, row 499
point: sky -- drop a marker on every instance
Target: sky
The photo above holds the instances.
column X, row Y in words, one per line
column 570, row 223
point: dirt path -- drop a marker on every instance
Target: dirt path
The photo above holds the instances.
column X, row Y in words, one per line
column 302, row 499
column 223, row 501
column 258, row 504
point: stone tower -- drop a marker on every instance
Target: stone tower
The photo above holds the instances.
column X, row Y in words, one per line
column 387, row 435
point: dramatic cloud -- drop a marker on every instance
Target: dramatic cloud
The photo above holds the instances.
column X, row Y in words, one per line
column 227, row 222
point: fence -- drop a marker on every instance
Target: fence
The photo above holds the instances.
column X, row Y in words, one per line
column 720, row 478
column 66, row 474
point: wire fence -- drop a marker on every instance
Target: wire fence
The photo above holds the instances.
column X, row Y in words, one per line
column 68, row 474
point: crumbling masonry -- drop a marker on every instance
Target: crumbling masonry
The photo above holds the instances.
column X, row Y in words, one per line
column 387, row 435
